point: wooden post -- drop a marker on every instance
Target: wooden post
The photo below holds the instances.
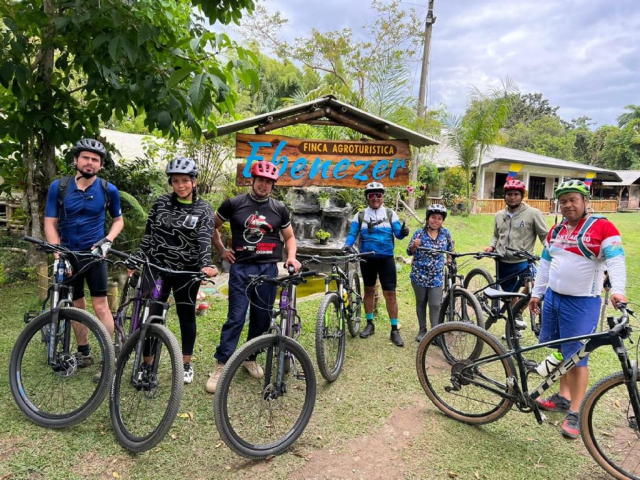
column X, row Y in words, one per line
column 112, row 296
column 43, row 281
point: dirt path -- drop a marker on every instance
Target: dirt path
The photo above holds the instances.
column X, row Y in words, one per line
column 377, row 456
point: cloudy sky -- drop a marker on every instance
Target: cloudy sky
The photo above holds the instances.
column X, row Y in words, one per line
column 582, row 55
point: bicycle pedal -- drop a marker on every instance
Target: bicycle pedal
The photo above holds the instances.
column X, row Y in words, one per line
column 30, row 315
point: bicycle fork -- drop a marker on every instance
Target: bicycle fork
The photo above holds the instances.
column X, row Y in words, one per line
column 144, row 375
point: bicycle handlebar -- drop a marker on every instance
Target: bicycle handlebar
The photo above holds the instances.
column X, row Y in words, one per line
column 54, row 248
column 453, row 254
column 351, row 257
column 140, row 261
column 284, row 279
column 524, row 254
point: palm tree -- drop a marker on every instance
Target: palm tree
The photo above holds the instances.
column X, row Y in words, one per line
column 461, row 136
column 632, row 114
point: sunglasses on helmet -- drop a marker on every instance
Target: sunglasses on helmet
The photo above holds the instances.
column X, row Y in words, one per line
column 373, row 195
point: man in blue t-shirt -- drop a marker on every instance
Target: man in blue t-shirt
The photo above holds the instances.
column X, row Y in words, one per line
column 377, row 228
column 76, row 220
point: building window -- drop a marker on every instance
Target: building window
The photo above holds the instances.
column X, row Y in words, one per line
column 537, row 187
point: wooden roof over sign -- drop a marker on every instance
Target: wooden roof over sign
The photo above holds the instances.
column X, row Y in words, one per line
column 327, row 110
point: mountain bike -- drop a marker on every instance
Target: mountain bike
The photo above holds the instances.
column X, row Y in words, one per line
column 338, row 307
column 458, row 303
column 149, row 378
column 51, row 382
column 479, row 386
column 257, row 418
column 478, row 279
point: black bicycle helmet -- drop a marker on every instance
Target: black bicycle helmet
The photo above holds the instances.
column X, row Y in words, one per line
column 90, row 145
column 437, row 208
column 183, row 166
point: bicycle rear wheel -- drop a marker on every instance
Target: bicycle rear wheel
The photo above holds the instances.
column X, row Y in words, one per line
column 330, row 337
column 534, row 321
column 144, row 408
column 465, row 385
column 465, row 308
column 63, row 394
column 475, row 281
column 609, row 427
column 124, row 314
column 355, row 304
column 257, row 418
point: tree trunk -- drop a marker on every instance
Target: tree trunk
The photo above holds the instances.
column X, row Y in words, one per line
column 411, row 200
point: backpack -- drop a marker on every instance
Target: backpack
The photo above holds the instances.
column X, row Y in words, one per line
column 585, row 226
column 373, row 224
column 63, row 185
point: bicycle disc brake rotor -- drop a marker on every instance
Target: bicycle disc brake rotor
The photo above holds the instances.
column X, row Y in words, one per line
column 66, row 365
column 460, row 374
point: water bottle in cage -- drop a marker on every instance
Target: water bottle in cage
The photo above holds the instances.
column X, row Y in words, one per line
column 59, row 270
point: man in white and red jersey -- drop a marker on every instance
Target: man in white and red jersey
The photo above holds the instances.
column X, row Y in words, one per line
column 577, row 252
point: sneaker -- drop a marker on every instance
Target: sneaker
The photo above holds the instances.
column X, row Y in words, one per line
column 570, row 427
column 212, row 382
column 188, row 373
column 396, row 338
column 84, row 361
column 520, row 323
column 96, row 378
column 253, row 368
column 369, row 330
column 421, row 334
column 555, row 403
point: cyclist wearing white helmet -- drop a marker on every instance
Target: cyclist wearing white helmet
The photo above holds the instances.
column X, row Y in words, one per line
column 178, row 237
column 75, row 216
column 377, row 227
column 577, row 252
column 427, row 270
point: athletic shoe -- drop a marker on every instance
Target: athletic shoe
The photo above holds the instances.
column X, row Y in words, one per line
column 253, row 368
column 396, row 339
column 212, row 382
column 84, row 361
column 570, row 427
column 421, row 334
column 188, row 373
column 369, row 330
column 555, row 403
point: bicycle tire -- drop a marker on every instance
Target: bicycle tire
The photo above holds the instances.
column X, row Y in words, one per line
column 610, row 433
column 354, row 321
column 141, row 417
column 475, row 281
column 330, row 337
column 434, row 373
column 239, row 403
column 67, row 396
column 465, row 306
column 522, row 305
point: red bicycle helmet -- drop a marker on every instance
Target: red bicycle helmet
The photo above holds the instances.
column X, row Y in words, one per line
column 264, row 169
column 514, row 185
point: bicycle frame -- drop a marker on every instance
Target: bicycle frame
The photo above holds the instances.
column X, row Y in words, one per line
column 524, row 398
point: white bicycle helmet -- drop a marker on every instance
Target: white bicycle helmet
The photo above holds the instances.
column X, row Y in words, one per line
column 182, row 165
column 437, row 208
column 374, row 187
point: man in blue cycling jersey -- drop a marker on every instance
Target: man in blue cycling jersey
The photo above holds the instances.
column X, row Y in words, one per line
column 377, row 227
column 75, row 219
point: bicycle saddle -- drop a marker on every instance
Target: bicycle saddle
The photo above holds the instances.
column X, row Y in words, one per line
column 492, row 293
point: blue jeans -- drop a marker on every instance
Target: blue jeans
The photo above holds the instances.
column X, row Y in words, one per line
column 261, row 299
column 505, row 270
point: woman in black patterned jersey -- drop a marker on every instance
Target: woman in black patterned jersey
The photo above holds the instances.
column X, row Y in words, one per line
column 178, row 237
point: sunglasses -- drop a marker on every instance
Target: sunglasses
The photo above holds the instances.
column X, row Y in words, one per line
column 371, row 196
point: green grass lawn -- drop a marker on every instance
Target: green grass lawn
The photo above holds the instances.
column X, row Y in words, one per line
column 352, row 416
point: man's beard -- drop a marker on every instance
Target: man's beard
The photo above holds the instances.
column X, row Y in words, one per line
column 85, row 174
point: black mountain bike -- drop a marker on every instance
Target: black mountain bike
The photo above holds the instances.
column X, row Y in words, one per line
column 458, row 303
column 50, row 381
column 259, row 417
column 479, row 279
column 469, row 375
column 149, row 379
column 339, row 307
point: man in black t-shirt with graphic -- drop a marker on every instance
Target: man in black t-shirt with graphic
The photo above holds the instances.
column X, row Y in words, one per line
column 257, row 220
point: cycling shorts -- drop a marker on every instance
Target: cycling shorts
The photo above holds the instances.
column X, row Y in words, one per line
column 379, row 267
column 95, row 274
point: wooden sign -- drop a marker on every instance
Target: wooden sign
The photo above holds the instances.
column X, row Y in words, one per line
column 327, row 163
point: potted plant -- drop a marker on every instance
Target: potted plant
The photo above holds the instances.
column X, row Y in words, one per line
column 323, row 198
column 322, row 236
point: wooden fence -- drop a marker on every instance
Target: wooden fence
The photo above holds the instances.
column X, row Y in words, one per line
column 7, row 222
column 494, row 205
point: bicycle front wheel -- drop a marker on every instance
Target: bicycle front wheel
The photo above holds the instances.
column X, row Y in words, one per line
column 464, row 308
column 62, row 394
column 144, row 406
column 609, row 427
column 330, row 337
column 259, row 417
column 124, row 314
column 354, row 321
column 471, row 385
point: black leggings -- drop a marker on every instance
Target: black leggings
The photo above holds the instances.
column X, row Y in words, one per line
column 185, row 302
